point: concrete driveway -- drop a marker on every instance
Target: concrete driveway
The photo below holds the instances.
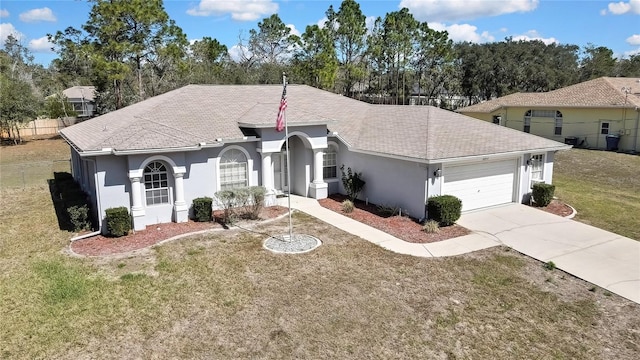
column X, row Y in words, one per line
column 600, row 257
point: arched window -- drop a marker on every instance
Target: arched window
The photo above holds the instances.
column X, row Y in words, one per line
column 330, row 163
column 156, row 183
column 233, row 170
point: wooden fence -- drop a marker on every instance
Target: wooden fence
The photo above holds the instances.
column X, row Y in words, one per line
column 40, row 128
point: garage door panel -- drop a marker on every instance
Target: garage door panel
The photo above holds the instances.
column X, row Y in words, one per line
column 482, row 184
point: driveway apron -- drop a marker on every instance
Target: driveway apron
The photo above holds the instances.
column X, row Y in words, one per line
column 603, row 258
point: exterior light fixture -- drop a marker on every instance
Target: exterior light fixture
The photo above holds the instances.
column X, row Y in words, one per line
column 437, row 173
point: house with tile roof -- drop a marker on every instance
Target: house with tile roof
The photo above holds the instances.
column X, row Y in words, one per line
column 602, row 113
column 156, row 156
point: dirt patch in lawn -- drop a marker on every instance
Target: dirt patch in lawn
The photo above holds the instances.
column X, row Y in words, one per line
column 103, row 245
column 402, row 227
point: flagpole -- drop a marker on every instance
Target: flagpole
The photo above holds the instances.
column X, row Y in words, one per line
column 286, row 137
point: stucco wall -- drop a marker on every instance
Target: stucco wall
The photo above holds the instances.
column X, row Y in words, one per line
column 583, row 123
column 114, row 183
column 390, row 182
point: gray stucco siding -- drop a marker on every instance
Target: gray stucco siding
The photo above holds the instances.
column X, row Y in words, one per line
column 391, row 182
column 114, row 187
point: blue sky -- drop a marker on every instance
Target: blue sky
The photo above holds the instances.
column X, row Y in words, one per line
column 615, row 25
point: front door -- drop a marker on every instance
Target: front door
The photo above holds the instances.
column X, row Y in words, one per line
column 280, row 172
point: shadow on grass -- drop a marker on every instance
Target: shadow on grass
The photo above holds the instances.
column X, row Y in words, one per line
column 58, row 204
column 66, row 196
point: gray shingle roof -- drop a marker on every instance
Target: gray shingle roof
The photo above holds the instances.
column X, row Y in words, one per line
column 80, row 92
column 604, row 92
column 203, row 113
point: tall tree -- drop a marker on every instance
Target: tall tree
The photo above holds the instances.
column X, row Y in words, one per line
column 121, row 36
column 315, row 63
column 18, row 103
column 271, row 45
column 399, row 34
column 348, row 28
column 207, row 60
column 597, row 62
column 433, row 60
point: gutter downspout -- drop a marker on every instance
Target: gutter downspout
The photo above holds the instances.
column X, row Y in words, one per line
column 98, row 205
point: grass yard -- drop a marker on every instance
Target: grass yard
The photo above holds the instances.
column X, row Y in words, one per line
column 222, row 296
column 32, row 162
column 604, row 187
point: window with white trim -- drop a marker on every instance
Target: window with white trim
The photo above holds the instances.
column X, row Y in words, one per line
column 156, row 183
column 604, row 128
column 537, row 169
column 233, row 170
column 330, row 163
column 527, row 122
column 558, row 127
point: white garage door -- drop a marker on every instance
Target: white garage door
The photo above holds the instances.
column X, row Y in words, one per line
column 482, row 184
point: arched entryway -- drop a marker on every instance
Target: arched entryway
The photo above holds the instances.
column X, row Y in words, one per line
column 300, row 165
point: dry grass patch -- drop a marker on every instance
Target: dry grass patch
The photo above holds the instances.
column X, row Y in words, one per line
column 223, row 296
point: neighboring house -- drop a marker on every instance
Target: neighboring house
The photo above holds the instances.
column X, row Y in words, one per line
column 587, row 114
column 156, row 156
column 83, row 100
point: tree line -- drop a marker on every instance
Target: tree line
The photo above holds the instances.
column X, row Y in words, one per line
column 132, row 50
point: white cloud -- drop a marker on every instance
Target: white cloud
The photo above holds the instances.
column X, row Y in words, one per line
column 41, row 45
column 4, row 13
column 619, row 8
column 455, row 10
column 533, row 35
column 293, row 29
column 463, row 32
column 240, row 10
column 7, row 29
column 633, row 39
column 235, row 52
column 321, row 22
column 34, row 15
column 632, row 52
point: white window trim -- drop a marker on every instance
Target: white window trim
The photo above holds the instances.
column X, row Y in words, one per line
column 337, row 149
column 169, row 185
column 249, row 165
column 533, row 180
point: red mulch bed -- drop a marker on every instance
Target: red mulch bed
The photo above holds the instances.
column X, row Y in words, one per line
column 402, row 227
column 101, row 245
column 557, row 207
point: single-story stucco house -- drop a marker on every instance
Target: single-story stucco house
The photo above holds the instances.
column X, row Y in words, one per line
column 156, row 156
column 584, row 114
column 82, row 98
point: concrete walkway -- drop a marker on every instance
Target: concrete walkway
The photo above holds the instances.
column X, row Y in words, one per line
column 456, row 246
column 603, row 258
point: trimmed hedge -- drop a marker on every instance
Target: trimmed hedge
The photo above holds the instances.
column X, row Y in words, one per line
column 202, row 208
column 118, row 221
column 79, row 217
column 444, row 209
column 543, row 193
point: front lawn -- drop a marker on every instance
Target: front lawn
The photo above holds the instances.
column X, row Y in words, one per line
column 604, row 187
column 223, row 296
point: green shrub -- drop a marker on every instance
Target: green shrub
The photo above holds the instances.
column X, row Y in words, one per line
column 444, row 209
column 79, row 217
column 118, row 221
column 347, row 206
column 431, row 227
column 543, row 193
column 256, row 202
column 226, row 199
column 352, row 182
column 202, row 208
column 550, row 265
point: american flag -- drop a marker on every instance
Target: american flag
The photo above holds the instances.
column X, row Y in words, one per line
column 283, row 107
